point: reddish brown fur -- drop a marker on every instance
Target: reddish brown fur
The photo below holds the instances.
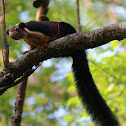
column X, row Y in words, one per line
column 17, row 35
column 33, row 39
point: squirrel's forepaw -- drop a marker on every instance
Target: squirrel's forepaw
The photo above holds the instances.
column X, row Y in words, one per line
column 25, row 52
column 43, row 46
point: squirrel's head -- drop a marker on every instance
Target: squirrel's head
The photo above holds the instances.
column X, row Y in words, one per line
column 17, row 31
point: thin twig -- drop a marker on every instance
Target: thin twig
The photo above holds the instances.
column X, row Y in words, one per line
column 67, row 12
column 78, row 15
column 106, row 71
column 2, row 49
column 4, row 35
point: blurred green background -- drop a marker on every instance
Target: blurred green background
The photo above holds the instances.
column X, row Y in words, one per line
column 51, row 97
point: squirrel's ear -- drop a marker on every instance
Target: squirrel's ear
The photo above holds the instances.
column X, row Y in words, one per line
column 22, row 25
column 8, row 32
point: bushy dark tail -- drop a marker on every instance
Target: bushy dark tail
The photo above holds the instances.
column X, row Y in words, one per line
column 88, row 92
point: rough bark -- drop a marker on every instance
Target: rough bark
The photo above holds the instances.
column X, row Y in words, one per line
column 62, row 46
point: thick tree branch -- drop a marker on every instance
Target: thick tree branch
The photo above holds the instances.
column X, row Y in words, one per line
column 60, row 47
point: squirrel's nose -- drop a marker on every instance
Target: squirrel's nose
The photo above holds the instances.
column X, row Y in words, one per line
column 8, row 32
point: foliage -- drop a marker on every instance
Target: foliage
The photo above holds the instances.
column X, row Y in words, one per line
column 51, row 97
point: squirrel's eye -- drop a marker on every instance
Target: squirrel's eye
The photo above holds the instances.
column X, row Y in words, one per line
column 17, row 29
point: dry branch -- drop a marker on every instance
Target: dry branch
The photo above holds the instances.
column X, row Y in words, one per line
column 17, row 110
column 4, row 35
column 114, row 2
column 61, row 47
